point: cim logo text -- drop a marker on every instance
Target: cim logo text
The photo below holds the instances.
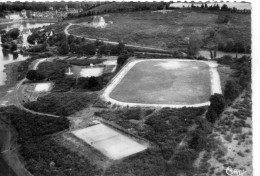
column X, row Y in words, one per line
column 235, row 172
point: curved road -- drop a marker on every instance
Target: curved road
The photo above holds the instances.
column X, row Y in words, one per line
column 110, row 42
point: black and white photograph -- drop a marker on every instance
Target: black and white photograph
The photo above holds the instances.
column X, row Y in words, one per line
column 129, row 88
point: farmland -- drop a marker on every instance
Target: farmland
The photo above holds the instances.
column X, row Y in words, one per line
column 166, row 31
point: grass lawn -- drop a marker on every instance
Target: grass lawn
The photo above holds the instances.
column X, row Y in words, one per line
column 165, row 31
column 165, row 82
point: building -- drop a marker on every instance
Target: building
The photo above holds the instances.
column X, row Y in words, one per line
column 99, row 22
column 23, row 13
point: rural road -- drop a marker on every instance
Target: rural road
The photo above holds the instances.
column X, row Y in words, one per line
column 12, row 97
column 110, row 42
column 8, row 156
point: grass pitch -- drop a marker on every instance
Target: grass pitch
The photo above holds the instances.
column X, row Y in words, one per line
column 165, row 82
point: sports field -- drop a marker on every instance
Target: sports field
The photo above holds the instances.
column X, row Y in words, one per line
column 175, row 83
column 109, row 142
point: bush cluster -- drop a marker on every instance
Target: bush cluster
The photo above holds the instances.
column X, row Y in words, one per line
column 38, row 149
column 62, row 104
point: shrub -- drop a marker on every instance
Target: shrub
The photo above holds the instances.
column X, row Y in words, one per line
column 211, row 115
column 38, row 48
column 13, row 46
column 33, row 75
column 231, row 91
column 64, row 48
column 38, row 148
column 201, row 58
column 217, row 105
column 62, row 104
column 228, row 137
column 225, row 60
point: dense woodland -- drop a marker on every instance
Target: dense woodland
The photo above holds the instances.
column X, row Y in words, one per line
column 41, row 153
column 45, row 6
column 8, row 38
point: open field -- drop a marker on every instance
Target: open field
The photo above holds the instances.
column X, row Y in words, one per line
column 168, row 82
column 165, row 31
column 108, row 141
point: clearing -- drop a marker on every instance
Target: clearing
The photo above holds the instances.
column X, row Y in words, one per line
column 165, row 31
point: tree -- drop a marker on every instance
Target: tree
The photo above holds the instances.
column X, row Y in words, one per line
column 224, row 7
column 104, row 49
column 120, row 47
column 59, row 38
column 33, row 75
column 231, row 90
column 217, row 102
column 211, row 115
column 87, row 48
column 217, row 7
column 122, row 58
column 71, row 39
column 93, row 82
column 2, row 32
column 217, row 105
column 13, row 46
column 64, row 48
column 230, row 45
column 73, row 48
column 13, row 33
column 38, row 48
column 195, row 43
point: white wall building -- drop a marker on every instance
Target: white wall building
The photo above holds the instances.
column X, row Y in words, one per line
column 99, row 22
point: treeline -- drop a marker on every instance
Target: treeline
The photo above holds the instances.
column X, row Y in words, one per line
column 40, row 152
column 240, row 80
column 216, row 7
column 236, row 47
column 7, row 39
column 45, row 6
column 117, row 7
column 196, row 42
column 71, row 44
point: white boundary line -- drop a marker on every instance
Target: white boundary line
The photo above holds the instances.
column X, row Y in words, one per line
column 215, row 84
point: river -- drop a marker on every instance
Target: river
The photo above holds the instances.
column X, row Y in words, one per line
column 6, row 58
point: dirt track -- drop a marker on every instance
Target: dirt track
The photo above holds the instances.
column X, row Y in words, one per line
column 215, row 87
